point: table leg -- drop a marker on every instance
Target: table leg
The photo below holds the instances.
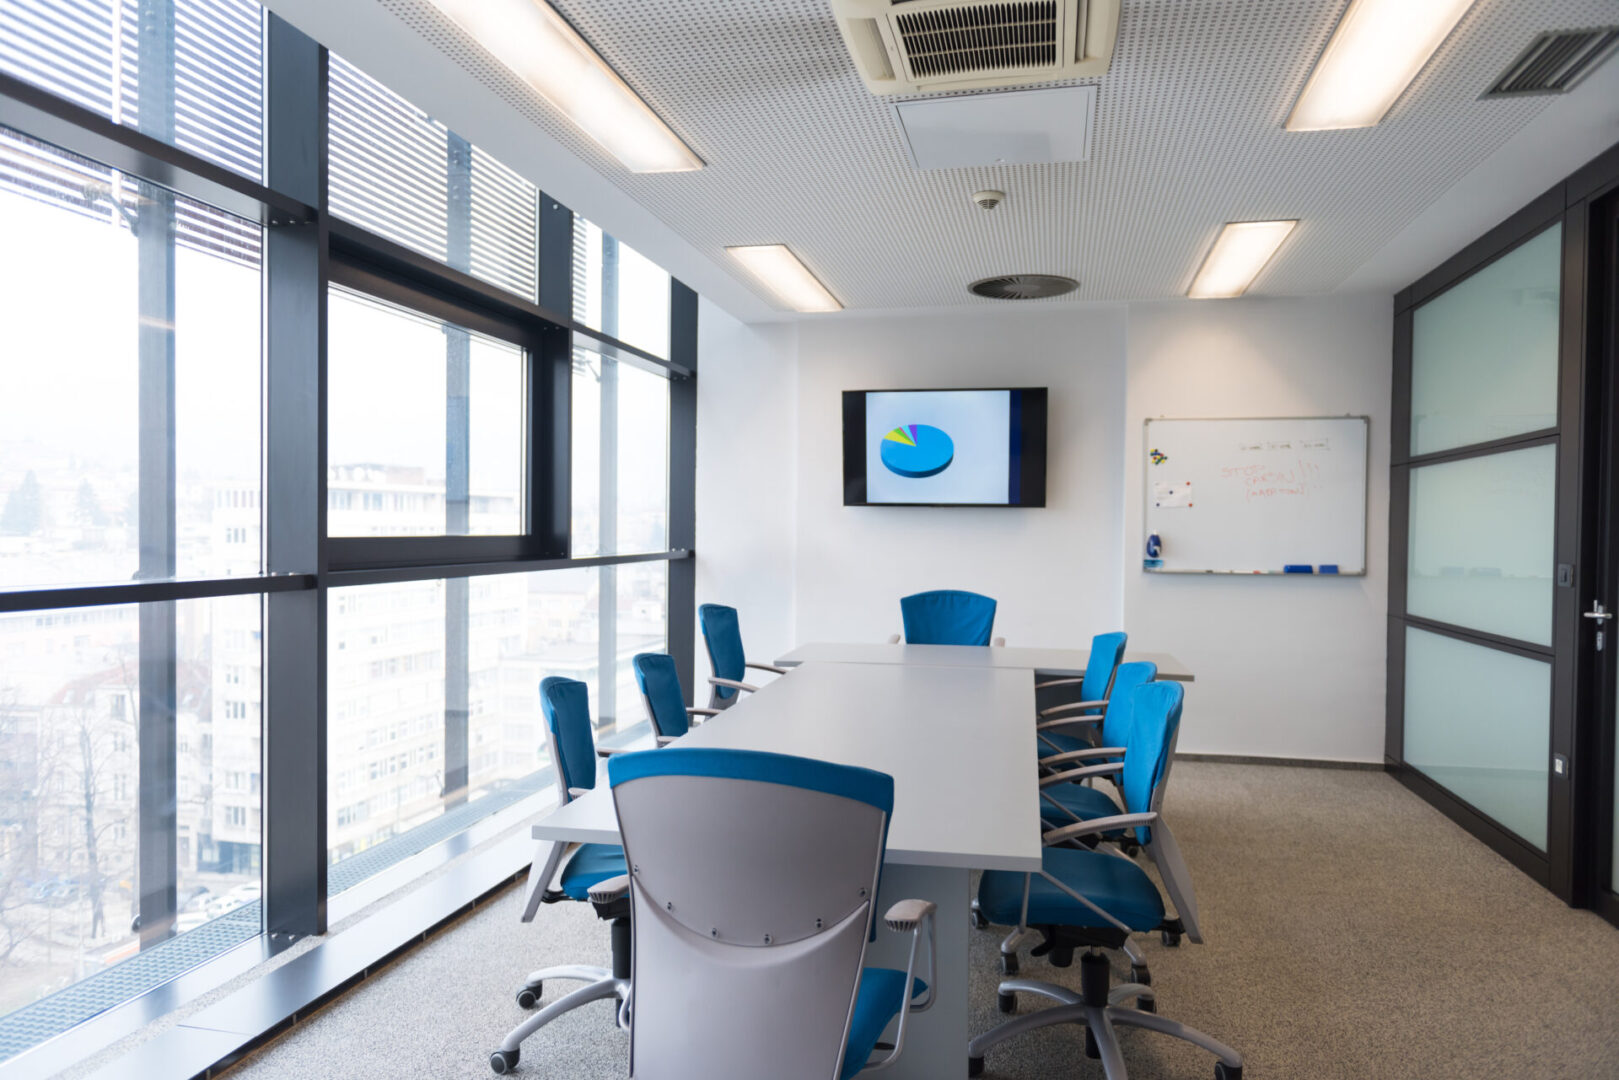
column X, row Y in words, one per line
column 936, row 1040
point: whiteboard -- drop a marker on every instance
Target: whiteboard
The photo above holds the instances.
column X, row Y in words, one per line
column 1257, row 496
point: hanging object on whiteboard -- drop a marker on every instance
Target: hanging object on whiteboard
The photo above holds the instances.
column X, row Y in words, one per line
column 1172, row 495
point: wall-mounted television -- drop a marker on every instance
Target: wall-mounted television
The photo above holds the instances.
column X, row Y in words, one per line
column 944, row 447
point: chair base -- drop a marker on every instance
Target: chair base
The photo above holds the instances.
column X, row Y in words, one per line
column 1098, row 1007
column 600, row 984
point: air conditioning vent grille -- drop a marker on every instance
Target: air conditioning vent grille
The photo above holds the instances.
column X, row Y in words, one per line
column 1024, row 286
column 1554, row 62
column 981, row 37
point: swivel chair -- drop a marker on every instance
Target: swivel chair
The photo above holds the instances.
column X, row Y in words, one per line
column 725, row 656
column 1109, row 726
column 566, row 706
column 1106, row 652
column 947, row 617
column 751, row 911
column 666, row 706
column 1095, row 898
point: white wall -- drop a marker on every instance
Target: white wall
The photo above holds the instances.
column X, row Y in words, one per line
column 1055, row 571
column 747, row 422
column 1286, row 666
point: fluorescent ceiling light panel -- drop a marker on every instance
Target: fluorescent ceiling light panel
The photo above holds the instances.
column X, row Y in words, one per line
column 539, row 47
column 786, row 277
column 1377, row 49
column 1238, row 255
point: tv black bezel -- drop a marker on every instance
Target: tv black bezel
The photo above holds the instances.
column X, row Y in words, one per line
column 1031, row 474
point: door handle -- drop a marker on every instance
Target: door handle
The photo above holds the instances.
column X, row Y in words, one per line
column 1598, row 612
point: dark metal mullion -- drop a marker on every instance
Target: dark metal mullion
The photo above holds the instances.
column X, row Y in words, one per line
column 550, row 420
column 381, row 575
column 1527, row 649
column 294, row 685
column 682, row 587
column 457, row 475
column 384, row 257
column 157, row 729
column 144, row 592
column 78, row 130
column 607, row 501
column 1484, row 449
column 1600, row 682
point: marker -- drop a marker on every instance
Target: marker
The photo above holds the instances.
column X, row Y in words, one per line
column 1328, row 568
column 1297, row 568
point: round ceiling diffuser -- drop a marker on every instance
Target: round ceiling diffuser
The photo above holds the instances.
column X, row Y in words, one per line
column 1023, row 286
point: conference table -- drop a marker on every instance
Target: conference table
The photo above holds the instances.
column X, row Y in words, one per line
column 1056, row 663
column 958, row 739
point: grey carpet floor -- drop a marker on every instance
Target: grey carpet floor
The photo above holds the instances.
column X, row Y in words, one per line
column 1351, row 932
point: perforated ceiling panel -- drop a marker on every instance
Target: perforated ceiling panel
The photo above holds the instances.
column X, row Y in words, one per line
column 1188, row 136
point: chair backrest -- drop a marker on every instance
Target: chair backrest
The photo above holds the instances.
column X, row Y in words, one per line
column 749, row 909
column 1150, row 751
column 566, row 705
column 1155, row 718
column 660, row 688
column 948, row 617
column 723, row 637
column 1121, row 704
column 1106, row 652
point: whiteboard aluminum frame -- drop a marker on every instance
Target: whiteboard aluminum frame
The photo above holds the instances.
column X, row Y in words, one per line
column 1365, row 510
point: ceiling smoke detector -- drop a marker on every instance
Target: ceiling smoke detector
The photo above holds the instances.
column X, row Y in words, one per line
column 1023, row 286
column 989, row 198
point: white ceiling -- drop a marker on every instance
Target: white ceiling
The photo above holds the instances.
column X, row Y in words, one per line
column 1188, row 135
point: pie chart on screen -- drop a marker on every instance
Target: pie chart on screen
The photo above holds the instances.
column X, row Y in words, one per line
column 917, row 450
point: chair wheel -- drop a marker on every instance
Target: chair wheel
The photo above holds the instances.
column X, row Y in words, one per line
column 1222, row 1071
column 1006, row 1002
column 976, row 920
column 503, row 1061
column 529, row 996
column 1140, row 974
column 1171, row 939
column 1009, row 964
column 1147, row 1004
column 975, row 1066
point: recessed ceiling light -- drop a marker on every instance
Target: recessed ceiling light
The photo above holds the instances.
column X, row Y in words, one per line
column 1377, row 49
column 1238, row 255
column 538, row 45
column 781, row 272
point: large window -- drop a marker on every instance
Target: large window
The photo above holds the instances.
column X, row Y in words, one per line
column 267, row 487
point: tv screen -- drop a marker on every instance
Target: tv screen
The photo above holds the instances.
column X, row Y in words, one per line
column 944, row 447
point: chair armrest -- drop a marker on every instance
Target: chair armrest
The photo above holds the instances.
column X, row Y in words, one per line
column 1055, row 709
column 664, row 740
column 772, row 668
column 733, row 684
column 702, row 712
column 904, row 916
column 609, row 751
column 1080, row 774
column 1098, row 825
column 1066, row 721
column 893, row 639
column 1057, row 682
column 999, row 643
column 1081, row 755
column 615, row 888
column 575, row 792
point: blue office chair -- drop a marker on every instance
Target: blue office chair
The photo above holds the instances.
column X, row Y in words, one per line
column 724, row 640
column 1095, row 898
column 566, row 705
column 1106, row 652
column 1065, row 796
column 752, row 907
column 1068, row 734
column 948, row 617
column 665, row 702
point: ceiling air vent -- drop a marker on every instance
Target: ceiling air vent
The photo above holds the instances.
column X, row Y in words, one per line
column 1554, row 62
column 914, row 46
column 1024, row 286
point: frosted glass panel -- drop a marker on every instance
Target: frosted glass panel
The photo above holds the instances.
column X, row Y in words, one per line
column 1478, row 722
column 1481, row 552
column 1484, row 353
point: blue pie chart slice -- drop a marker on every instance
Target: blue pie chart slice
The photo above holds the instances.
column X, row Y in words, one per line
column 917, row 450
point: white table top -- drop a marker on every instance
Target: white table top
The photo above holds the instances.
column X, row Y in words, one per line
column 959, row 743
column 1056, row 662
